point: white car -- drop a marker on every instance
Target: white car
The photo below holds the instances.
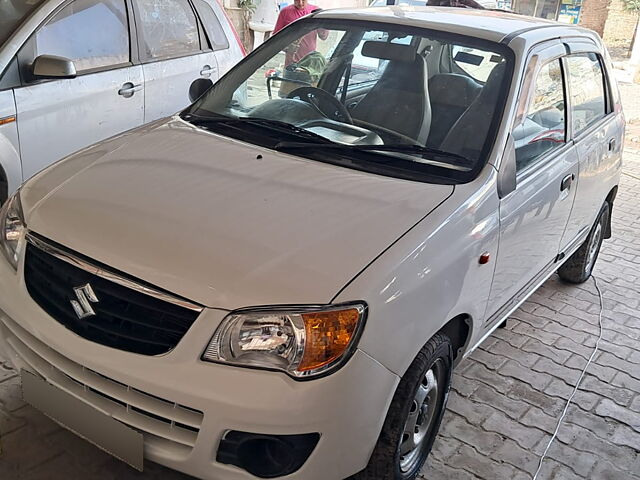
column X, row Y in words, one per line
column 76, row 72
column 279, row 285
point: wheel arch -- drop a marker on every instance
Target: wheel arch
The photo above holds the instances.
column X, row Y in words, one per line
column 4, row 186
column 458, row 330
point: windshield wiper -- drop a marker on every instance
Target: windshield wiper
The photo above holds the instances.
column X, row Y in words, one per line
column 276, row 125
column 397, row 148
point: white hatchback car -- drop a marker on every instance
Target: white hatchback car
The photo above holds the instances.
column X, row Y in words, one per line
column 74, row 72
column 279, row 281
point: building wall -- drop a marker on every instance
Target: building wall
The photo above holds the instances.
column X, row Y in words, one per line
column 594, row 14
column 619, row 28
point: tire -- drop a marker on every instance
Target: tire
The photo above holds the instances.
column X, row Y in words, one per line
column 578, row 268
column 433, row 363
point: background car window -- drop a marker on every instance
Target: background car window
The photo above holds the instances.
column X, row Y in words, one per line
column 475, row 63
column 587, row 90
column 92, row 33
column 543, row 128
column 168, row 28
column 212, row 25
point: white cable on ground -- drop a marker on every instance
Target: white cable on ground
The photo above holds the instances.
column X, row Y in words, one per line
column 575, row 390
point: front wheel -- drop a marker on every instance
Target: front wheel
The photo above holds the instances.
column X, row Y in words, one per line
column 578, row 268
column 414, row 416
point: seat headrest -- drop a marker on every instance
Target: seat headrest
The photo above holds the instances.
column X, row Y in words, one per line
column 389, row 51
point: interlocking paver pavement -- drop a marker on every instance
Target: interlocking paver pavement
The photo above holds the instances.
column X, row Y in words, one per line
column 505, row 399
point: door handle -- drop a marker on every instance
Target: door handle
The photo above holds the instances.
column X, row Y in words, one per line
column 566, row 182
column 612, row 144
column 207, row 71
column 128, row 89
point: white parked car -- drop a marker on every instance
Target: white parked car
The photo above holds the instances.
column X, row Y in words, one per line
column 279, row 285
column 76, row 72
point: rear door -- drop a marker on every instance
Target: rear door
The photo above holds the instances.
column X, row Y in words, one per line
column 59, row 116
column 597, row 131
column 175, row 52
column 533, row 217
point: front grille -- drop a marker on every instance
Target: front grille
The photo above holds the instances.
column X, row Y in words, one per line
column 124, row 318
column 166, row 426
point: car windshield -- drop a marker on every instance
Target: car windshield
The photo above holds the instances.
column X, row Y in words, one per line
column 12, row 14
column 405, row 102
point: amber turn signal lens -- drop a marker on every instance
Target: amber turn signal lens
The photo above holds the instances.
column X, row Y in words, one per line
column 328, row 335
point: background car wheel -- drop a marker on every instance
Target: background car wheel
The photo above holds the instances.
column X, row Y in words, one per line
column 414, row 416
column 580, row 265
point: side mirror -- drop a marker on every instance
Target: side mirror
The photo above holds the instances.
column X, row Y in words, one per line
column 198, row 88
column 50, row 66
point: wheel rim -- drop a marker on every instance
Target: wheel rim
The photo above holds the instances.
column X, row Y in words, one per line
column 593, row 246
column 422, row 416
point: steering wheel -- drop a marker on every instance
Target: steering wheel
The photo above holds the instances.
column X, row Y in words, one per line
column 324, row 102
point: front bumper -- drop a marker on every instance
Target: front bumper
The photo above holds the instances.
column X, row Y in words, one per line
column 183, row 406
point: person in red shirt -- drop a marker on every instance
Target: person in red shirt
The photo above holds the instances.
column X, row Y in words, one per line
column 306, row 44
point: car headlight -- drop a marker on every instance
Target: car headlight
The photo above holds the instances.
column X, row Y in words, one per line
column 12, row 230
column 302, row 342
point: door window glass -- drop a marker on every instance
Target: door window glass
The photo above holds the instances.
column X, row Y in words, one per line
column 587, row 90
column 92, row 33
column 168, row 28
column 214, row 29
column 543, row 128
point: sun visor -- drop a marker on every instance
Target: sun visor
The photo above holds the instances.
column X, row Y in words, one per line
column 389, row 51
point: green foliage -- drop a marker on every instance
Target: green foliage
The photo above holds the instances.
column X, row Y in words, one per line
column 632, row 5
column 250, row 5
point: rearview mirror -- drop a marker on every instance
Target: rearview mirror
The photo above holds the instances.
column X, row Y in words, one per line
column 51, row 66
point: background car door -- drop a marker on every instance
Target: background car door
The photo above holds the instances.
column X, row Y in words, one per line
column 175, row 51
column 533, row 217
column 597, row 132
column 59, row 116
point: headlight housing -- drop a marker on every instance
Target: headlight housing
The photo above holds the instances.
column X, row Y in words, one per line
column 12, row 230
column 300, row 341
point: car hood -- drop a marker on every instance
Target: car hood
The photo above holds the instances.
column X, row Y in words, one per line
column 221, row 222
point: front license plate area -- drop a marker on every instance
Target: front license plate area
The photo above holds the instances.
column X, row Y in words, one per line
column 85, row 421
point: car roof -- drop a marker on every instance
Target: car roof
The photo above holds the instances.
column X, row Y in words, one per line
column 487, row 24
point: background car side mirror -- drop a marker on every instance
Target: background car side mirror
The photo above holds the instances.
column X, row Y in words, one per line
column 507, row 170
column 199, row 88
column 51, row 66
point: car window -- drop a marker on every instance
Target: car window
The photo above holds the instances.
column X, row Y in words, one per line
column 474, row 62
column 212, row 25
column 168, row 28
column 92, row 33
column 587, row 90
column 543, row 128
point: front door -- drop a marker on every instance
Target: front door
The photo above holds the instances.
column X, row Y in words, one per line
column 56, row 117
column 534, row 216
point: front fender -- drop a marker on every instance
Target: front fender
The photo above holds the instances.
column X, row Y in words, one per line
column 431, row 275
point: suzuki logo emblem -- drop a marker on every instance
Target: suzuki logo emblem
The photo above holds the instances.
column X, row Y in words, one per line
column 85, row 297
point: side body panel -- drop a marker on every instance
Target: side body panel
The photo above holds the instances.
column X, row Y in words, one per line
column 431, row 275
